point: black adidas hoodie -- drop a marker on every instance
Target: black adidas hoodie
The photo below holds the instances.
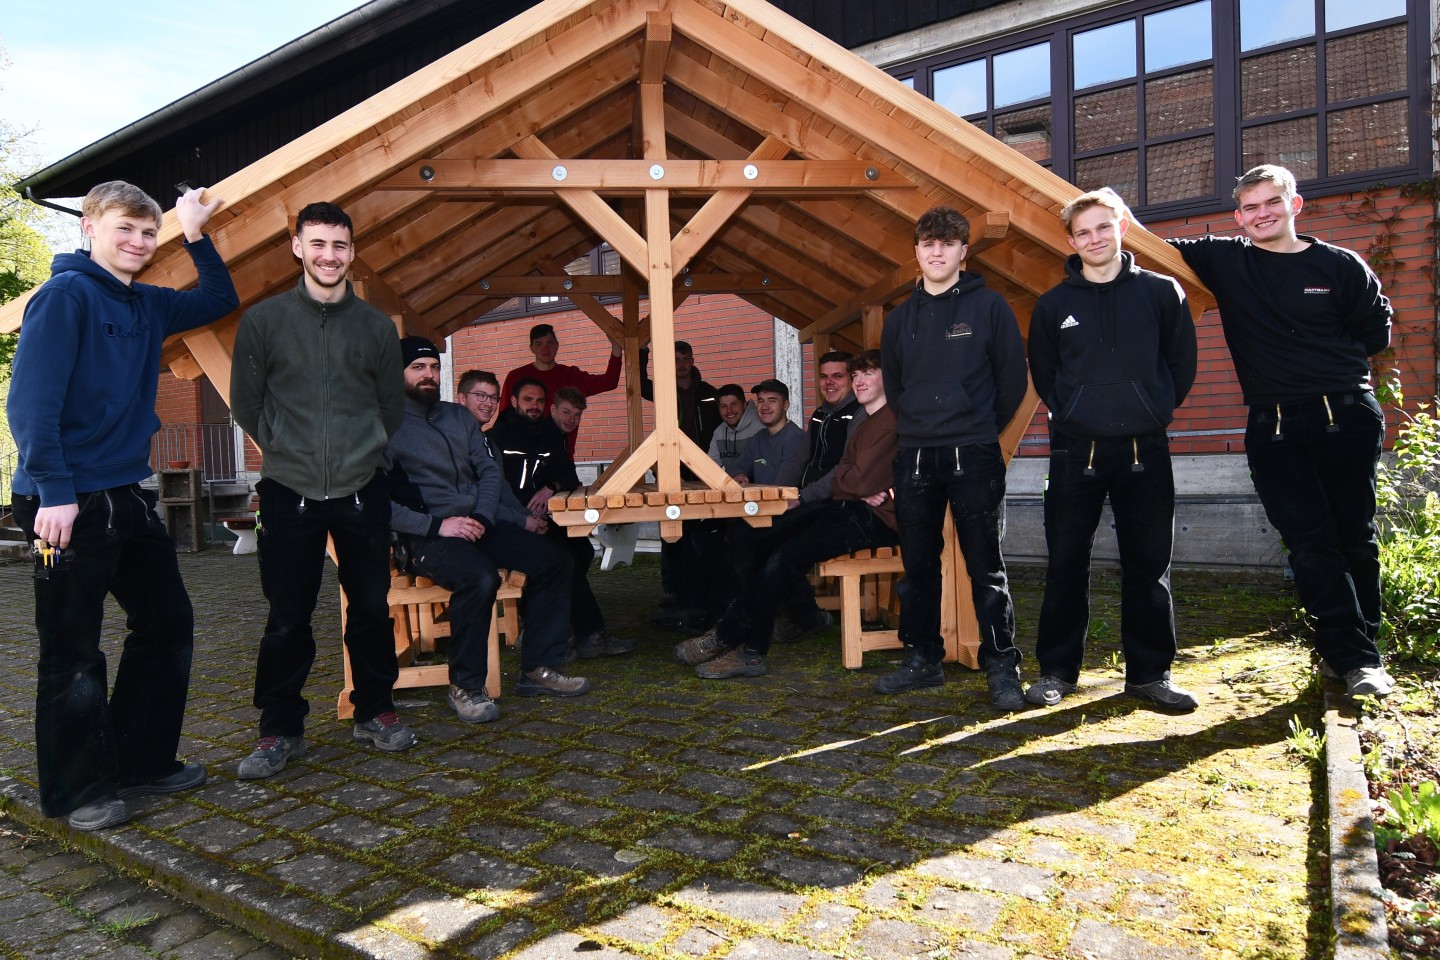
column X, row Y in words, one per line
column 1112, row 359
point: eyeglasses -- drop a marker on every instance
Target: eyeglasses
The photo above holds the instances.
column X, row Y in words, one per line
column 481, row 397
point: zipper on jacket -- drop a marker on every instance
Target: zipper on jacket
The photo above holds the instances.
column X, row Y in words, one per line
column 325, row 406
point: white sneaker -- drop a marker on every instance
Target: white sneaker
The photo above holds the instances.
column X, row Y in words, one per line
column 1368, row 682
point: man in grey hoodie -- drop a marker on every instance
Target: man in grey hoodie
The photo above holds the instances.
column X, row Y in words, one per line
column 739, row 422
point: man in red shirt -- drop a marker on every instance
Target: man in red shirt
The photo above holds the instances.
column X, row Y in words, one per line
column 544, row 345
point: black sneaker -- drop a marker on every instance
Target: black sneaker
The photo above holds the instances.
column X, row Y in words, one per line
column 269, row 757
column 187, row 777
column 109, row 812
column 914, row 673
column 1006, row 694
column 386, row 731
column 1048, row 691
column 789, row 631
column 603, row 643
column 1164, row 694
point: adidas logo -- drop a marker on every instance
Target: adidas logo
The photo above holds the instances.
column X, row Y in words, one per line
column 1069, row 322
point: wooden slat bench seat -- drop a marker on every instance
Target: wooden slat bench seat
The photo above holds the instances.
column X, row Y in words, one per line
column 419, row 608
column 871, row 575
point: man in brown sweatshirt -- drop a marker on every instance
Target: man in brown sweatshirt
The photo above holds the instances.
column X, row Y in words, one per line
column 860, row 515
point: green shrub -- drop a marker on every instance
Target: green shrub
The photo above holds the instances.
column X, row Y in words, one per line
column 1409, row 519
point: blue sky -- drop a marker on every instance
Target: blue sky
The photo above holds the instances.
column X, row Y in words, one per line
column 81, row 69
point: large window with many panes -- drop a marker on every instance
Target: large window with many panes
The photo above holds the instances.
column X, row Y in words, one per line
column 1169, row 102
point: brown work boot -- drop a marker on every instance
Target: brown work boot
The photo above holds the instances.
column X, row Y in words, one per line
column 698, row 650
column 550, row 682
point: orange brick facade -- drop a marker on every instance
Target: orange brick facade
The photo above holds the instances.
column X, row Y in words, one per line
column 733, row 340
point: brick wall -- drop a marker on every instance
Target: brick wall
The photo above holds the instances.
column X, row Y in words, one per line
column 732, row 339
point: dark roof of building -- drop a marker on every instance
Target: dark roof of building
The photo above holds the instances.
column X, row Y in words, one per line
column 209, row 134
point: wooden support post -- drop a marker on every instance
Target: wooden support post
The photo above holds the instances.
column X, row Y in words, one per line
column 662, row 340
column 872, row 325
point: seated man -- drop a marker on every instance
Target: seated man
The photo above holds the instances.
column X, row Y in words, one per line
column 532, row 454
column 776, row 455
column 831, row 425
column 860, row 516
column 445, row 492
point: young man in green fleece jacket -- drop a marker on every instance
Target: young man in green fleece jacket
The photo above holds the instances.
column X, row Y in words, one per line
column 317, row 383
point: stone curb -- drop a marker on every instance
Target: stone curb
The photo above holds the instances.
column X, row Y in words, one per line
column 1357, row 911
column 312, row 930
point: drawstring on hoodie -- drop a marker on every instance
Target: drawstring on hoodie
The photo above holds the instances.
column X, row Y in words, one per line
column 1090, row 464
column 1136, row 466
column 1330, row 426
column 1278, row 434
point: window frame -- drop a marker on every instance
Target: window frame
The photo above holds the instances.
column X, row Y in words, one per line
column 1225, row 62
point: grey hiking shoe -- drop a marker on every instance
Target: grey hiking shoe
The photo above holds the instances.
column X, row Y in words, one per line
column 387, row 732
column 735, row 662
column 1164, row 694
column 550, row 682
column 698, row 650
column 472, row 706
column 109, row 812
column 914, row 673
column 1006, row 694
column 1048, row 691
column 788, row 631
column 269, row 757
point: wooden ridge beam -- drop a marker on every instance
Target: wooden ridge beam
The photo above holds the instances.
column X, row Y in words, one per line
column 656, row 49
column 610, row 284
column 537, row 172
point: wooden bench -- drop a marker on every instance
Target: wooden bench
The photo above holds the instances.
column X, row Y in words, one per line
column 867, row 591
column 419, row 608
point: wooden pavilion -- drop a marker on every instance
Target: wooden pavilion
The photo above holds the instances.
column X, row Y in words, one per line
column 715, row 146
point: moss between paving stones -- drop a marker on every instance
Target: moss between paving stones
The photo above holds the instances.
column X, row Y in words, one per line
column 1095, row 822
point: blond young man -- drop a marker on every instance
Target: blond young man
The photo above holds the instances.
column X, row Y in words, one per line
column 1112, row 354
column 82, row 410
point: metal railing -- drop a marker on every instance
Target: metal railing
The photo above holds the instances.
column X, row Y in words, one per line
column 207, row 447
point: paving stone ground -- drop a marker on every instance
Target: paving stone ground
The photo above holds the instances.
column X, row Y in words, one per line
column 794, row 815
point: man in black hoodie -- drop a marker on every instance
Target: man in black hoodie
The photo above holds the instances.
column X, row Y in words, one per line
column 954, row 367
column 1112, row 354
column 1302, row 318
column 537, row 466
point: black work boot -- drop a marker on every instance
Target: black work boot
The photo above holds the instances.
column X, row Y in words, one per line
column 915, row 672
column 1006, row 694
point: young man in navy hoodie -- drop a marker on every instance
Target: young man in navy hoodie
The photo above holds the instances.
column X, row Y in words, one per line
column 1302, row 319
column 954, row 367
column 82, row 409
column 1112, row 354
